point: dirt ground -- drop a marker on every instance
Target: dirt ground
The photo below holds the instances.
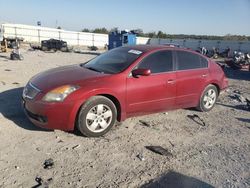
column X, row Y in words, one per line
column 216, row 154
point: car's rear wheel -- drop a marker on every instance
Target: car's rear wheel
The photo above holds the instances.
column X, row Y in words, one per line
column 97, row 116
column 208, row 98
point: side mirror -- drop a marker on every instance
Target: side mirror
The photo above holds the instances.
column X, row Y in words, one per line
column 141, row 72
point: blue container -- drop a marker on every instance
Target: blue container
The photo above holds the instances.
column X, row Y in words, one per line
column 122, row 38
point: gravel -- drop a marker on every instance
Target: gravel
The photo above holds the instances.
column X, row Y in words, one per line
column 217, row 154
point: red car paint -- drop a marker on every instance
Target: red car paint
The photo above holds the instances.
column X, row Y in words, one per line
column 132, row 96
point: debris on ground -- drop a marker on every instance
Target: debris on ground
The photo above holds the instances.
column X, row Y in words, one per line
column 15, row 83
column 16, row 55
column 7, row 70
column 237, row 97
column 92, row 48
column 248, row 103
column 140, row 156
column 155, row 128
column 159, row 150
column 79, row 51
column 237, row 91
column 41, row 183
column 240, row 98
column 76, row 146
column 197, row 119
column 171, row 143
column 48, row 164
column 144, row 123
column 3, row 83
column 17, row 167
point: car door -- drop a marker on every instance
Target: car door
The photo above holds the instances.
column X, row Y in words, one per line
column 191, row 77
column 156, row 92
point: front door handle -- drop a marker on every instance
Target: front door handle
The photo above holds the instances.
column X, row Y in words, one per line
column 204, row 75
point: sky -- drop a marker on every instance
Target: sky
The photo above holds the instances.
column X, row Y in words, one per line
column 200, row 17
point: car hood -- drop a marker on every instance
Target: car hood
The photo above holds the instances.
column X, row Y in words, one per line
column 73, row 75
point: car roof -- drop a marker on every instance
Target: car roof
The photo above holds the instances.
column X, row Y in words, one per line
column 147, row 48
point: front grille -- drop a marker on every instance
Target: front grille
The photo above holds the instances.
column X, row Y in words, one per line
column 30, row 91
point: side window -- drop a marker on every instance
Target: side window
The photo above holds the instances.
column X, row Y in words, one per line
column 188, row 60
column 158, row 62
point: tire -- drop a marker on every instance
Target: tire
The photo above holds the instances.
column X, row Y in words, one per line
column 91, row 120
column 64, row 49
column 13, row 44
column 12, row 57
column 208, row 98
column 44, row 48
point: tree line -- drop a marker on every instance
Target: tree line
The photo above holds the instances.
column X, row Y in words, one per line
column 163, row 35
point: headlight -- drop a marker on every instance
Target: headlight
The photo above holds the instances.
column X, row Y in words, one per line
column 60, row 93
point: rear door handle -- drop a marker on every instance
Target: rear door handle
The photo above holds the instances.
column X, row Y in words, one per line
column 170, row 81
column 204, row 75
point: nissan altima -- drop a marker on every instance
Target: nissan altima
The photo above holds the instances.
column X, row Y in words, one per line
column 121, row 83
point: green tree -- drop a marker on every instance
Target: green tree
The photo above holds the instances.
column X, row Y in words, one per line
column 160, row 34
column 85, row 30
column 139, row 32
column 151, row 35
column 101, row 30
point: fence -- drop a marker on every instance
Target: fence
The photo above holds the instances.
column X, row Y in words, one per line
column 37, row 34
column 243, row 46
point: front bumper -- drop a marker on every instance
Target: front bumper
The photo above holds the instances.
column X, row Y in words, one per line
column 51, row 115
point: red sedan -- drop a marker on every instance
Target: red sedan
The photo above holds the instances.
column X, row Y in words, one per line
column 121, row 83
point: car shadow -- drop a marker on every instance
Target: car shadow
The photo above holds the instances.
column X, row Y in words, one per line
column 11, row 108
column 176, row 180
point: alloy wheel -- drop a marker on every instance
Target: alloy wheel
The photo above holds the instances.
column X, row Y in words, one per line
column 99, row 118
column 209, row 98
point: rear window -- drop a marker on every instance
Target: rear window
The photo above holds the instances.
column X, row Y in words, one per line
column 188, row 60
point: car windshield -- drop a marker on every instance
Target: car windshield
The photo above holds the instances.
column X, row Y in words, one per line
column 113, row 61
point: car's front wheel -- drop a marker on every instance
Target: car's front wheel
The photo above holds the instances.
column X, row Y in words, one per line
column 97, row 116
column 208, row 98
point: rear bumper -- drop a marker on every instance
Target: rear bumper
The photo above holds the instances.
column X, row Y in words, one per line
column 51, row 115
column 224, row 83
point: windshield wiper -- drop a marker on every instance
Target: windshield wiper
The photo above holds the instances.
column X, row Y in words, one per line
column 94, row 69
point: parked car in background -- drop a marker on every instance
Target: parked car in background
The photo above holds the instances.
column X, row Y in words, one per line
column 121, row 83
column 54, row 44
